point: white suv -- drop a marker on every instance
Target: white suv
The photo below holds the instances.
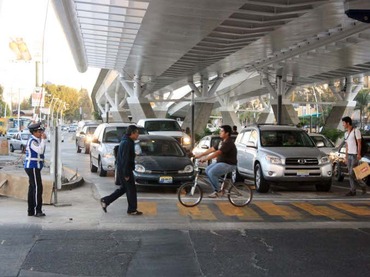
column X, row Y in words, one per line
column 166, row 127
column 281, row 154
column 105, row 138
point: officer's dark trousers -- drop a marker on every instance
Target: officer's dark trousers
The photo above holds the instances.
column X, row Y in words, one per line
column 127, row 187
column 34, row 190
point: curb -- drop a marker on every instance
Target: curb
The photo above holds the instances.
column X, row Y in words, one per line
column 79, row 181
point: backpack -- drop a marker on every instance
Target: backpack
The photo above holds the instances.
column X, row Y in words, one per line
column 363, row 145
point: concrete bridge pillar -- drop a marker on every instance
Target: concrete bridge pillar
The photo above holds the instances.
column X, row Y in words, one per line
column 138, row 105
column 140, row 108
column 229, row 117
column 282, row 108
column 288, row 114
column 202, row 109
column 202, row 112
column 119, row 115
column 266, row 117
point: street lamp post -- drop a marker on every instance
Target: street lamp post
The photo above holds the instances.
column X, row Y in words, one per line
column 60, row 112
column 50, row 108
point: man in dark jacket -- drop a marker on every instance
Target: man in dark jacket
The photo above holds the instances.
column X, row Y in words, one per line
column 125, row 167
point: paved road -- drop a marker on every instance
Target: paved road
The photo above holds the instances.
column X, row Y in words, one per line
column 282, row 233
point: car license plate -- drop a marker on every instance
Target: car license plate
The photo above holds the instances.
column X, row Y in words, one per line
column 303, row 173
column 165, row 180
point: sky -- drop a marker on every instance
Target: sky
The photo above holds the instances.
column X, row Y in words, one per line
column 36, row 22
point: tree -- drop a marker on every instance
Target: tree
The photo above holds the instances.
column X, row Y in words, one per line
column 26, row 104
column 85, row 104
column 73, row 98
column 362, row 101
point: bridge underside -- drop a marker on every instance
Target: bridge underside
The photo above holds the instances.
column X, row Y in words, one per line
column 156, row 54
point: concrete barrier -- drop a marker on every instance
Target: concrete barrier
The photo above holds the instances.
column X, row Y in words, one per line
column 4, row 147
column 15, row 185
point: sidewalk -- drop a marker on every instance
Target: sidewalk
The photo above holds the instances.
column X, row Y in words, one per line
column 71, row 199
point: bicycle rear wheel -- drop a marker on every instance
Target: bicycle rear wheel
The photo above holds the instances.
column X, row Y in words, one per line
column 240, row 194
column 189, row 194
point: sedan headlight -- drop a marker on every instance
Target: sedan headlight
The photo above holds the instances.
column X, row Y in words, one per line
column 108, row 155
column 188, row 169
column 324, row 160
column 139, row 168
column 273, row 159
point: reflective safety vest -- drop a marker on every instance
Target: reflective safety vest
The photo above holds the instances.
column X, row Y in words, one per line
column 33, row 159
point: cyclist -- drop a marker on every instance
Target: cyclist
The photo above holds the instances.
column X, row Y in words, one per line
column 225, row 153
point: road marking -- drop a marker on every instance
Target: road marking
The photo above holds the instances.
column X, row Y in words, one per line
column 148, row 208
column 245, row 213
column 198, row 212
column 322, row 211
column 277, row 210
column 352, row 209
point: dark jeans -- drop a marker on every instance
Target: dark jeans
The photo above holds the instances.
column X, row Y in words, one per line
column 34, row 190
column 127, row 187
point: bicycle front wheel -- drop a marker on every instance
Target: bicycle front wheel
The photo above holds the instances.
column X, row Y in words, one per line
column 190, row 194
column 240, row 194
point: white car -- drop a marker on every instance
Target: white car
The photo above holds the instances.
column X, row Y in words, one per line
column 19, row 141
column 327, row 145
column 166, row 127
column 105, row 138
column 11, row 132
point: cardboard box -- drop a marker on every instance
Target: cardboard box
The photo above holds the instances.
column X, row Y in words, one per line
column 362, row 170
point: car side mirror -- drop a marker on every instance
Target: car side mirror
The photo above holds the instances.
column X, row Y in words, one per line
column 320, row 144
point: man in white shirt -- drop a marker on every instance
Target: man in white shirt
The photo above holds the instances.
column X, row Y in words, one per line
column 353, row 154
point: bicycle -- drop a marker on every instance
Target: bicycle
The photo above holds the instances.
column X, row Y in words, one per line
column 190, row 194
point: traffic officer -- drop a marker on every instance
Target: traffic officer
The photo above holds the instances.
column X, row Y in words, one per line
column 33, row 164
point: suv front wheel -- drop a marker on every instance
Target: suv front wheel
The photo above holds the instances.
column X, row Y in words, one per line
column 259, row 180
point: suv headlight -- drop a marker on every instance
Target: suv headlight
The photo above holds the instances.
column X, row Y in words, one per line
column 186, row 140
column 88, row 138
column 324, row 160
column 187, row 169
column 273, row 159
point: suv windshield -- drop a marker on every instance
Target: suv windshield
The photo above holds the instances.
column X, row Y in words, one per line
column 282, row 138
column 162, row 125
column 115, row 134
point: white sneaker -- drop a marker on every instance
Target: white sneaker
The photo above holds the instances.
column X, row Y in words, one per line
column 213, row 195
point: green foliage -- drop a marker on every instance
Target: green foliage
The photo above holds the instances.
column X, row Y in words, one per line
column 96, row 115
column 3, row 105
column 362, row 101
column 332, row 134
column 75, row 99
column 26, row 104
